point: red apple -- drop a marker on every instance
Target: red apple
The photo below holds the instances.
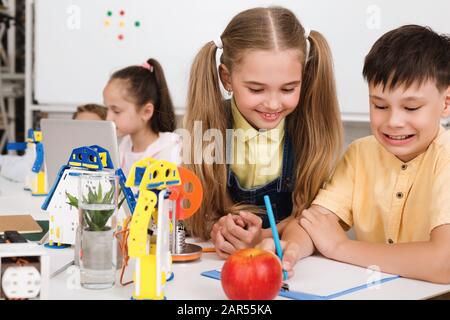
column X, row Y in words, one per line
column 252, row 274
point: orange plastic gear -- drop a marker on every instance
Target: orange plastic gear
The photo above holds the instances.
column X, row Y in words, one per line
column 181, row 193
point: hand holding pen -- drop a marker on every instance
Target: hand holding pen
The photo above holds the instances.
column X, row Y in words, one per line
column 276, row 238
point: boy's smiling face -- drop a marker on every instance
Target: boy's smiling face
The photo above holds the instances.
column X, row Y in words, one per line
column 406, row 120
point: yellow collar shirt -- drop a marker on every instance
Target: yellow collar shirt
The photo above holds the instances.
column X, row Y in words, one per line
column 257, row 156
column 387, row 200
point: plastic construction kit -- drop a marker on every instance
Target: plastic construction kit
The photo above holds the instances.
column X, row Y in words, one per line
column 63, row 214
column 160, row 201
column 24, row 271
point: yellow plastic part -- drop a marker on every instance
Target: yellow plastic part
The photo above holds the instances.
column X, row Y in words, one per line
column 90, row 166
column 147, row 280
column 131, row 179
column 38, row 187
column 85, row 165
column 38, row 136
column 160, row 173
column 103, row 158
column 137, row 240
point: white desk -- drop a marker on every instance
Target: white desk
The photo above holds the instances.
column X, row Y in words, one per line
column 15, row 200
column 311, row 273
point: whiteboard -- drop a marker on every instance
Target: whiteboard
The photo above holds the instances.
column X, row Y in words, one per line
column 77, row 45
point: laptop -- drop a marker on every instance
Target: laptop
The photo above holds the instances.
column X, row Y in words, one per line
column 61, row 136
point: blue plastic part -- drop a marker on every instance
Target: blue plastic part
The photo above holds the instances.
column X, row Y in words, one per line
column 84, row 157
column 30, row 134
column 138, row 175
column 129, row 197
column 98, row 149
column 37, row 165
column 17, row 146
column 158, row 184
column 172, row 276
column 154, row 185
column 61, row 246
column 84, row 153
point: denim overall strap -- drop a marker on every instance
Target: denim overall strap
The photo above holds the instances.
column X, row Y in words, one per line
column 279, row 190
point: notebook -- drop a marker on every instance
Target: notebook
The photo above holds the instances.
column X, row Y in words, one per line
column 317, row 278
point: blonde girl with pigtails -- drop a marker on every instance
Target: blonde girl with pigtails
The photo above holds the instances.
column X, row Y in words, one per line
column 283, row 99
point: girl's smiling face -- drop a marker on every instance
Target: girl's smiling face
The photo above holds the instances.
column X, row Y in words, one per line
column 266, row 85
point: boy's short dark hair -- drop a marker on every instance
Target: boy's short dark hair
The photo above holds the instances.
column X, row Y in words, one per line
column 409, row 54
column 99, row 110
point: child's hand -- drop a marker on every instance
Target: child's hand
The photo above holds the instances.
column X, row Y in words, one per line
column 243, row 236
column 234, row 232
column 324, row 230
column 291, row 253
column 223, row 247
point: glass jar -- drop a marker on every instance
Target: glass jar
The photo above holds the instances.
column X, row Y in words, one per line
column 97, row 203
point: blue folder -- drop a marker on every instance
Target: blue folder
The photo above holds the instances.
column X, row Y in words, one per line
column 296, row 295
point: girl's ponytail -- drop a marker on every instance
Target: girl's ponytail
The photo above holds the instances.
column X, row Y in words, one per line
column 206, row 107
column 319, row 137
column 163, row 119
column 204, row 96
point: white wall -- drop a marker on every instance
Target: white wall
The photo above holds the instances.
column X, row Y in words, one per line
column 75, row 52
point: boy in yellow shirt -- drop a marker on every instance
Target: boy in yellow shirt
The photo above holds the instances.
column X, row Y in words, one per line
column 392, row 187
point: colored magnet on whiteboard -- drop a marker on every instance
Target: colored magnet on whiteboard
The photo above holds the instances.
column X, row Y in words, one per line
column 137, row 24
column 107, row 23
column 122, row 24
column 109, row 13
column 122, row 13
column 120, row 37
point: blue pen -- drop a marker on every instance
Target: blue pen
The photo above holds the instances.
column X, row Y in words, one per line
column 276, row 238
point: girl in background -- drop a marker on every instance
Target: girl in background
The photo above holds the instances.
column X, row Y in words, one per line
column 139, row 103
column 90, row 111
